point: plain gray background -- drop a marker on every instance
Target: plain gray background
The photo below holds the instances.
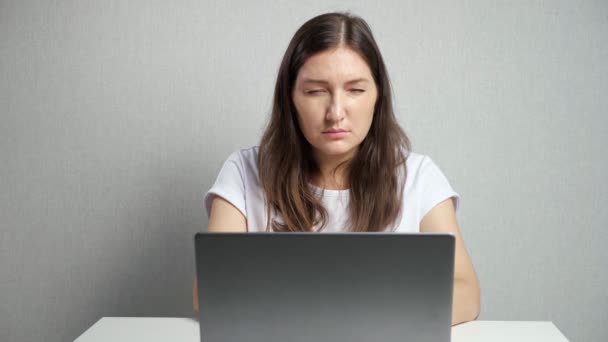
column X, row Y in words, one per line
column 117, row 115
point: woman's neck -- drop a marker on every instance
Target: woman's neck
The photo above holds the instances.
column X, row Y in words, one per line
column 333, row 172
column 331, row 181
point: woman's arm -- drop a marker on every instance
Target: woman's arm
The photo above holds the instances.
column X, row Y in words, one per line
column 224, row 217
column 466, row 303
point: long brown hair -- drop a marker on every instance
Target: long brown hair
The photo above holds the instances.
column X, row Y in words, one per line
column 376, row 174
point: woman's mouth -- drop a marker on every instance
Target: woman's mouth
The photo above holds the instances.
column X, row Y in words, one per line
column 335, row 133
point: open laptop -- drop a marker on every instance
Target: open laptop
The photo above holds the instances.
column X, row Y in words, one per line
column 325, row 287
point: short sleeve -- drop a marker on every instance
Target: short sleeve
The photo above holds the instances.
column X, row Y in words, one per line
column 230, row 185
column 434, row 187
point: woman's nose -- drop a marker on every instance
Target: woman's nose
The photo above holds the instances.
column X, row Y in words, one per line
column 335, row 111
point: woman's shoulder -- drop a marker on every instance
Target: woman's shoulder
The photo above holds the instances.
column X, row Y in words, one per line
column 415, row 161
column 427, row 183
column 245, row 159
column 420, row 166
column 414, row 158
column 245, row 154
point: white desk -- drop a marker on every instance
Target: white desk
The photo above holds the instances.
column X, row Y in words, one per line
column 127, row 329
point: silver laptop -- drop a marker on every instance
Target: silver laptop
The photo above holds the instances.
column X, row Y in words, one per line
column 325, row 287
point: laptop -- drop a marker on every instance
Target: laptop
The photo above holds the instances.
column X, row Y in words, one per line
column 325, row 287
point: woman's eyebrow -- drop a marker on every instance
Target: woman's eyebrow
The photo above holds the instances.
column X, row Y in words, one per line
column 356, row 80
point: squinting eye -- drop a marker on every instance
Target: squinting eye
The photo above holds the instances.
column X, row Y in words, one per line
column 358, row 90
column 314, row 91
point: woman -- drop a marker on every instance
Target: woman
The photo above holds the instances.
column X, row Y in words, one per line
column 333, row 157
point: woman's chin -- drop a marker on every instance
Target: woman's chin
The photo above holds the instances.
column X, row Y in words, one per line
column 336, row 150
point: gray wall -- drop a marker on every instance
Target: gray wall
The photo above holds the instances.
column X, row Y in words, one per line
column 116, row 116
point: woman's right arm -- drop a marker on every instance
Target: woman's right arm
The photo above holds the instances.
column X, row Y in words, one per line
column 226, row 218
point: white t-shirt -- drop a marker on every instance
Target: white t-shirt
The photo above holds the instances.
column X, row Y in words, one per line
column 238, row 183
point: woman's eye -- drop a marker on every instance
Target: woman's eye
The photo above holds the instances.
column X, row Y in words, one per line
column 322, row 91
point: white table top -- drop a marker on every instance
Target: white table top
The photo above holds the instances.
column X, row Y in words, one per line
column 149, row 329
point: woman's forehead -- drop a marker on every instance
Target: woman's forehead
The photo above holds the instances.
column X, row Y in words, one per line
column 340, row 64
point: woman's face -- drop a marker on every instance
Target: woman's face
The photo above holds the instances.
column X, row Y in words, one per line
column 335, row 95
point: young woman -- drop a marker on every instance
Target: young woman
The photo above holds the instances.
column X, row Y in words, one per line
column 333, row 157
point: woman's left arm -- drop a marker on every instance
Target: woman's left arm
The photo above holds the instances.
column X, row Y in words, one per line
column 465, row 306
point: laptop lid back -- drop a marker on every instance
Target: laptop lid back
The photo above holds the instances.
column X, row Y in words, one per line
column 330, row 287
